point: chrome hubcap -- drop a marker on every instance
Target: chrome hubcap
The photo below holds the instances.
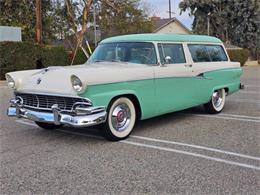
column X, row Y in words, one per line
column 217, row 98
column 121, row 117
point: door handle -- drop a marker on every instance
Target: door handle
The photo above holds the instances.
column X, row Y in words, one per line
column 188, row 65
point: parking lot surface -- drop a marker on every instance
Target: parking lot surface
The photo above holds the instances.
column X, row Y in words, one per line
column 187, row 152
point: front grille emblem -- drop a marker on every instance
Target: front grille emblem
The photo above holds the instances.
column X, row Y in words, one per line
column 38, row 81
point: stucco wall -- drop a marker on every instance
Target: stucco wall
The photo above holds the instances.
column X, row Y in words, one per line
column 173, row 27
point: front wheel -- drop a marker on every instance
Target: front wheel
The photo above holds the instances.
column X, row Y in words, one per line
column 120, row 120
column 217, row 102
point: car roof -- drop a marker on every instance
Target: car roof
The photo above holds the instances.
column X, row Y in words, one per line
column 162, row 37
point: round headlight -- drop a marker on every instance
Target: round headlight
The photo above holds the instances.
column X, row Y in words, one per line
column 10, row 81
column 76, row 83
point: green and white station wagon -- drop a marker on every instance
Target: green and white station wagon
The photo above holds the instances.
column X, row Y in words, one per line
column 128, row 78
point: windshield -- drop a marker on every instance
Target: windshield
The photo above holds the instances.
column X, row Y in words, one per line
column 139, row 53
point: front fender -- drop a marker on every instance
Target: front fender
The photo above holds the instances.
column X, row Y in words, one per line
column 104, row 98
column 144, row 90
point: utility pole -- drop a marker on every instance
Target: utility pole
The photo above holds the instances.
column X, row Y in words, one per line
column 208, row 23
column 95, row 25
column 38, row 27
column 170, row 9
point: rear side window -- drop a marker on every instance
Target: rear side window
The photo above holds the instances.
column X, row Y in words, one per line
column 207, row 53
column 216, row 53
column 175, row 51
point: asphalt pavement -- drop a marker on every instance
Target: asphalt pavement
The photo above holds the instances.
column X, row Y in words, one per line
column 187, row 152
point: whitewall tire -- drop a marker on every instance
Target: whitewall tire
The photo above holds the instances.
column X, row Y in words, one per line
column 120, row 119
column 217, row 102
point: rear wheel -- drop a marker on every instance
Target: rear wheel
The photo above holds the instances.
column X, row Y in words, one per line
column 217, row 102
column 47, row 125
column 120, row 120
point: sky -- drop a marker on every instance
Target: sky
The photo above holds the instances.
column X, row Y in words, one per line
column 160, row 8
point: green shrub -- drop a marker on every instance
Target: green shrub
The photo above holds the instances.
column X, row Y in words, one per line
column 80, row 58
column 17, row 56
column 55, row 56
column 238, row 55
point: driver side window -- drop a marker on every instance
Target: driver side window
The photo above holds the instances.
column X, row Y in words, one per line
column 174, row 53
column 144, row 54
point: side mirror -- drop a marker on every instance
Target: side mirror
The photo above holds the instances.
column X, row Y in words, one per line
column 167, row 59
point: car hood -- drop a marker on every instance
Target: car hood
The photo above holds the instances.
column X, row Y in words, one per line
column 56, row 79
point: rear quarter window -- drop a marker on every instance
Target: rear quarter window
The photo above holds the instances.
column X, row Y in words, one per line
column 207, row 53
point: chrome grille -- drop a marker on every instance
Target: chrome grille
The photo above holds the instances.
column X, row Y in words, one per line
column 45, row 102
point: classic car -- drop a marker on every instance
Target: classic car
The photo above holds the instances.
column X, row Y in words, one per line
column 127, row 78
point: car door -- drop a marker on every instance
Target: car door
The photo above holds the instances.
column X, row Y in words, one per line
column 174, row 78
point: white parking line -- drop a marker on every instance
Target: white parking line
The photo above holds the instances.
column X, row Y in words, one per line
column 249, row 92
column 244, row 100
column 240, row 116
column 193, row 154
column 256, row 86
column 196, row 146
column 225, row 117
column 160, row 148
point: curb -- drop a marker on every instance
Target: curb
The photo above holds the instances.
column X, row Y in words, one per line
column 251, row 63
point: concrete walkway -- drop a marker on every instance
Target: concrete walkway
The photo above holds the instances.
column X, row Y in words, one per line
column 2, row 83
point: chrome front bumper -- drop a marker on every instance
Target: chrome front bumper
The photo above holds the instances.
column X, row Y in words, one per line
column 81, row 117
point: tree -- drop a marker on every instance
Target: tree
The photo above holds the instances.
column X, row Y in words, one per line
column 18, row 13
column 72, row 18
column 127, row 18
column 60, row 24
column 22, row 14
column 234, row 21
column 115, row 17
column 246, row 32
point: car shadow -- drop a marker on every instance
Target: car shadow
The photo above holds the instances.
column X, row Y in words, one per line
column 95, row 132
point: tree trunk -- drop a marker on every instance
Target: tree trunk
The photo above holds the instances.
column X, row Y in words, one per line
column 38, row 27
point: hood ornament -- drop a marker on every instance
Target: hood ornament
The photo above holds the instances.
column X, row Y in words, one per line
column 38, row 81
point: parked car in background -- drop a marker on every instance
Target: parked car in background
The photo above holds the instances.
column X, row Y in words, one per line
column 128, row 78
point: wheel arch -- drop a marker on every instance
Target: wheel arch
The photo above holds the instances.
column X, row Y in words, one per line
column 133, row 98
column 226, row 88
